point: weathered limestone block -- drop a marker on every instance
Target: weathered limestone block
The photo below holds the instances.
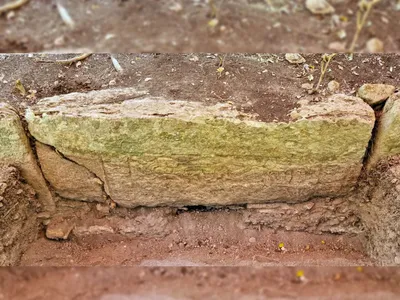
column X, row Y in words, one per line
column 387, row 139
column 159, row 152
column 15, row 150
column 69, row 179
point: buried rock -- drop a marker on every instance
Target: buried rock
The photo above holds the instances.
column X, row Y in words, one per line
column 154, row 152
column 59, row 229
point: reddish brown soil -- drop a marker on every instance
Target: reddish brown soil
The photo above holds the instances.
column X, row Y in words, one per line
column 166, row 236
column 265, row 84
column 198, row 283
column 18, row 224
column 192, row 250
column 150, row 25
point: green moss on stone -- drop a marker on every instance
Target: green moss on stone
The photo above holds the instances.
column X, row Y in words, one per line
column 12, row 139
column 301, row 143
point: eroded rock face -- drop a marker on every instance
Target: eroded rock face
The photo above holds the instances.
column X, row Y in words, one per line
column 387, row 140
column 162, row 152
column 16, row 150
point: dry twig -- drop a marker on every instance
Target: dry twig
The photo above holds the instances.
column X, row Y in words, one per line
column 365, row 7
column 326, row 59
column 12, row 5
column 68, row 61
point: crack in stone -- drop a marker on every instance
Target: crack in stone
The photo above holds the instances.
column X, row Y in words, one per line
column 105, row 194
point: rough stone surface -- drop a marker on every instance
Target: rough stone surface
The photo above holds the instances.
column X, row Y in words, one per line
column 15, row 149
column 387, row 139
column 319, row 7
column 375, row 93
column 159, row 152
column 69, row 179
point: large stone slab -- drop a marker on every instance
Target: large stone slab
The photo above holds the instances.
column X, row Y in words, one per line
column 387, row 139
column 15, row 150
column 167, row 152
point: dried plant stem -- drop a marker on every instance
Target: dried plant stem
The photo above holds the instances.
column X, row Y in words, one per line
column 365, row 7
column 326, row 59
column 12, row 5
column 70, row 60
column 213, row 8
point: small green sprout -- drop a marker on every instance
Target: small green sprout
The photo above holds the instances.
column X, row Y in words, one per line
column 221, row 67
column 213, row 22
column 20, row 87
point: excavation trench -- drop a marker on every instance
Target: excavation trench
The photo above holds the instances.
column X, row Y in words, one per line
column 153, row 181
column 317, row 231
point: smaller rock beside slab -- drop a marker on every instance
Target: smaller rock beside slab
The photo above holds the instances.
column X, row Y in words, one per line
column 15, row 150
column 375, row 94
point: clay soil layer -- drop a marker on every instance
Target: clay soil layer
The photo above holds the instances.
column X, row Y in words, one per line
column 266, row 84
column 182, row 26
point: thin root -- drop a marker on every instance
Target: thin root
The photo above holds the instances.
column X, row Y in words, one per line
column 12, row 5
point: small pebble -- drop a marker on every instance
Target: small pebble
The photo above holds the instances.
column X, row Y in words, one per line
column 307, row 86
column 333, row 86
column 59, row 41
column 374, row 45
column 319, row 7
column 337, row 46
column 10, row 15
column 294, row 58
column 176, row 7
